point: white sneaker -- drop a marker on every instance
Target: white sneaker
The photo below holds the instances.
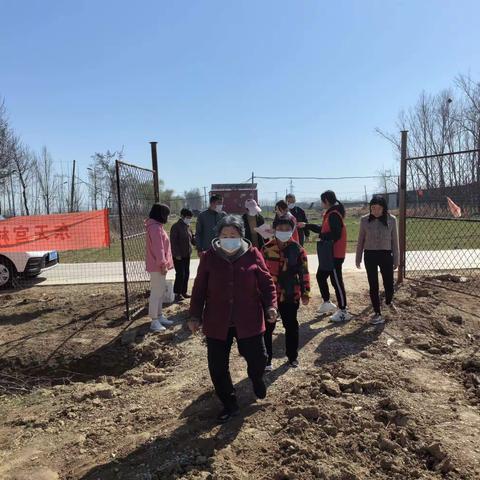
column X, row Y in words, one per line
column 327, row 307
column 156, row 326
column 341, row 316
column 165, row 322
column 377, row 319
column 269, row 368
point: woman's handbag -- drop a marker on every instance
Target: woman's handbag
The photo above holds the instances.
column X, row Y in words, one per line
column 325, row 255
column 168, row 294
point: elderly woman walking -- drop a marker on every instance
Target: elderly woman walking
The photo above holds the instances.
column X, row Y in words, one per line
column 232, row 295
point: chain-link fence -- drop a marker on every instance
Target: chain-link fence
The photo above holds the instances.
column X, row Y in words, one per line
column 136, row 194
column 442, row 220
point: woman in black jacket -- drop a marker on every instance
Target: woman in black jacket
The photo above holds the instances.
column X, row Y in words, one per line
column 333, row 229
column 182, row 239
column 252, row 219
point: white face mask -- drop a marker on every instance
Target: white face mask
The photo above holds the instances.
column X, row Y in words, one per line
column 291, row 206
column 284, row 236
column 230, row 245
column 187, row 220
column 219, row 208
column 252, row 213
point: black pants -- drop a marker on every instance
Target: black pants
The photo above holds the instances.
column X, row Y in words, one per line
column 182, row 275
column 288, row 312
column 252, row 349
column 382, row 259
column 336, row 278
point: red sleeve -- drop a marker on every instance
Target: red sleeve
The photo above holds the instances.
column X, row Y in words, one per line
column 200, row 287
column 265, row 283
column 305, row 274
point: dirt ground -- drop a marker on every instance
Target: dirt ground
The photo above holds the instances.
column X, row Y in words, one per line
column 84, row 395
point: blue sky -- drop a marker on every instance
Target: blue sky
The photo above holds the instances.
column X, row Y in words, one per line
column 277, row 87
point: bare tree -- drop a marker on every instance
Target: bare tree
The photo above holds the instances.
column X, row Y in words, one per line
column 46, row 179
column 194, row 199
column 438, row 124
column 23, row 161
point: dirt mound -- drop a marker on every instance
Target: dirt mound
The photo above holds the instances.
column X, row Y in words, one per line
column 399, row 401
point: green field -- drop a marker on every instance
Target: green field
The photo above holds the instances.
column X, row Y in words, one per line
column 426, row 234
column 136, row 250
column 422, row 234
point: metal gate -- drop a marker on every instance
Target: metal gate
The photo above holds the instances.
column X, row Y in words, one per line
column 136, row 194
column 440, row 218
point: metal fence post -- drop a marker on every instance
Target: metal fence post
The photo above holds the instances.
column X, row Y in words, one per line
column 156, row 183
column 122, row 239
column 402, row 192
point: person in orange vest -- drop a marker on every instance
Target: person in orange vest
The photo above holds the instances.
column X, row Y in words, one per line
column 333, row 228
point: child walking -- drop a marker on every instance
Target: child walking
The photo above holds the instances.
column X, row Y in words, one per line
column 378, row 242
column 158, row 262
column 287, row 263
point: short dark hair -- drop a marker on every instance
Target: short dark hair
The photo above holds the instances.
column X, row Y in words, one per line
column 282, row 204
column 234, row 221
column 185, row 212
column 160, row 212
column 216, row 198
column 283, row 221
column 290, row 196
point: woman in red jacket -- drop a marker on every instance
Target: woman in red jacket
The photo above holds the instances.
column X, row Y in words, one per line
column 232, row 294
column 333, row 228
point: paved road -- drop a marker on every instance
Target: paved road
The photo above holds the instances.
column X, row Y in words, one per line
column 111, row 272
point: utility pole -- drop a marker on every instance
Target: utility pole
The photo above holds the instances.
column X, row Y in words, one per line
column 366, row 196
column 291, row 186
column 13, row 194
column 403, row 205
column 205, row 197
column 253, row 178
column 156, row 183
column 72, row 191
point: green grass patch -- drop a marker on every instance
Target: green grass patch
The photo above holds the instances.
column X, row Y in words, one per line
column 422, row 234
column 437, row 234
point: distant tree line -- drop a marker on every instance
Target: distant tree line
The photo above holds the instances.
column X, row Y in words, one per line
column 441, row 123
column 31, row 182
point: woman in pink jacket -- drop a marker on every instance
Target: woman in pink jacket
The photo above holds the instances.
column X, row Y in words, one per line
column 158, row 262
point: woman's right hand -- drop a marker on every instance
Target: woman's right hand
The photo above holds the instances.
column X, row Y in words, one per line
column 272, row 315
column 193, row 325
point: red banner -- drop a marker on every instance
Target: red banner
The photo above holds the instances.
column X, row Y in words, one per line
column 454, row 208
column 63, row 231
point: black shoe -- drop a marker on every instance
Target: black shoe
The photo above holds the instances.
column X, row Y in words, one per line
column 227, row 413
column 294, row 364
column 178, row 298
column 259, row 388
column 186, row 295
